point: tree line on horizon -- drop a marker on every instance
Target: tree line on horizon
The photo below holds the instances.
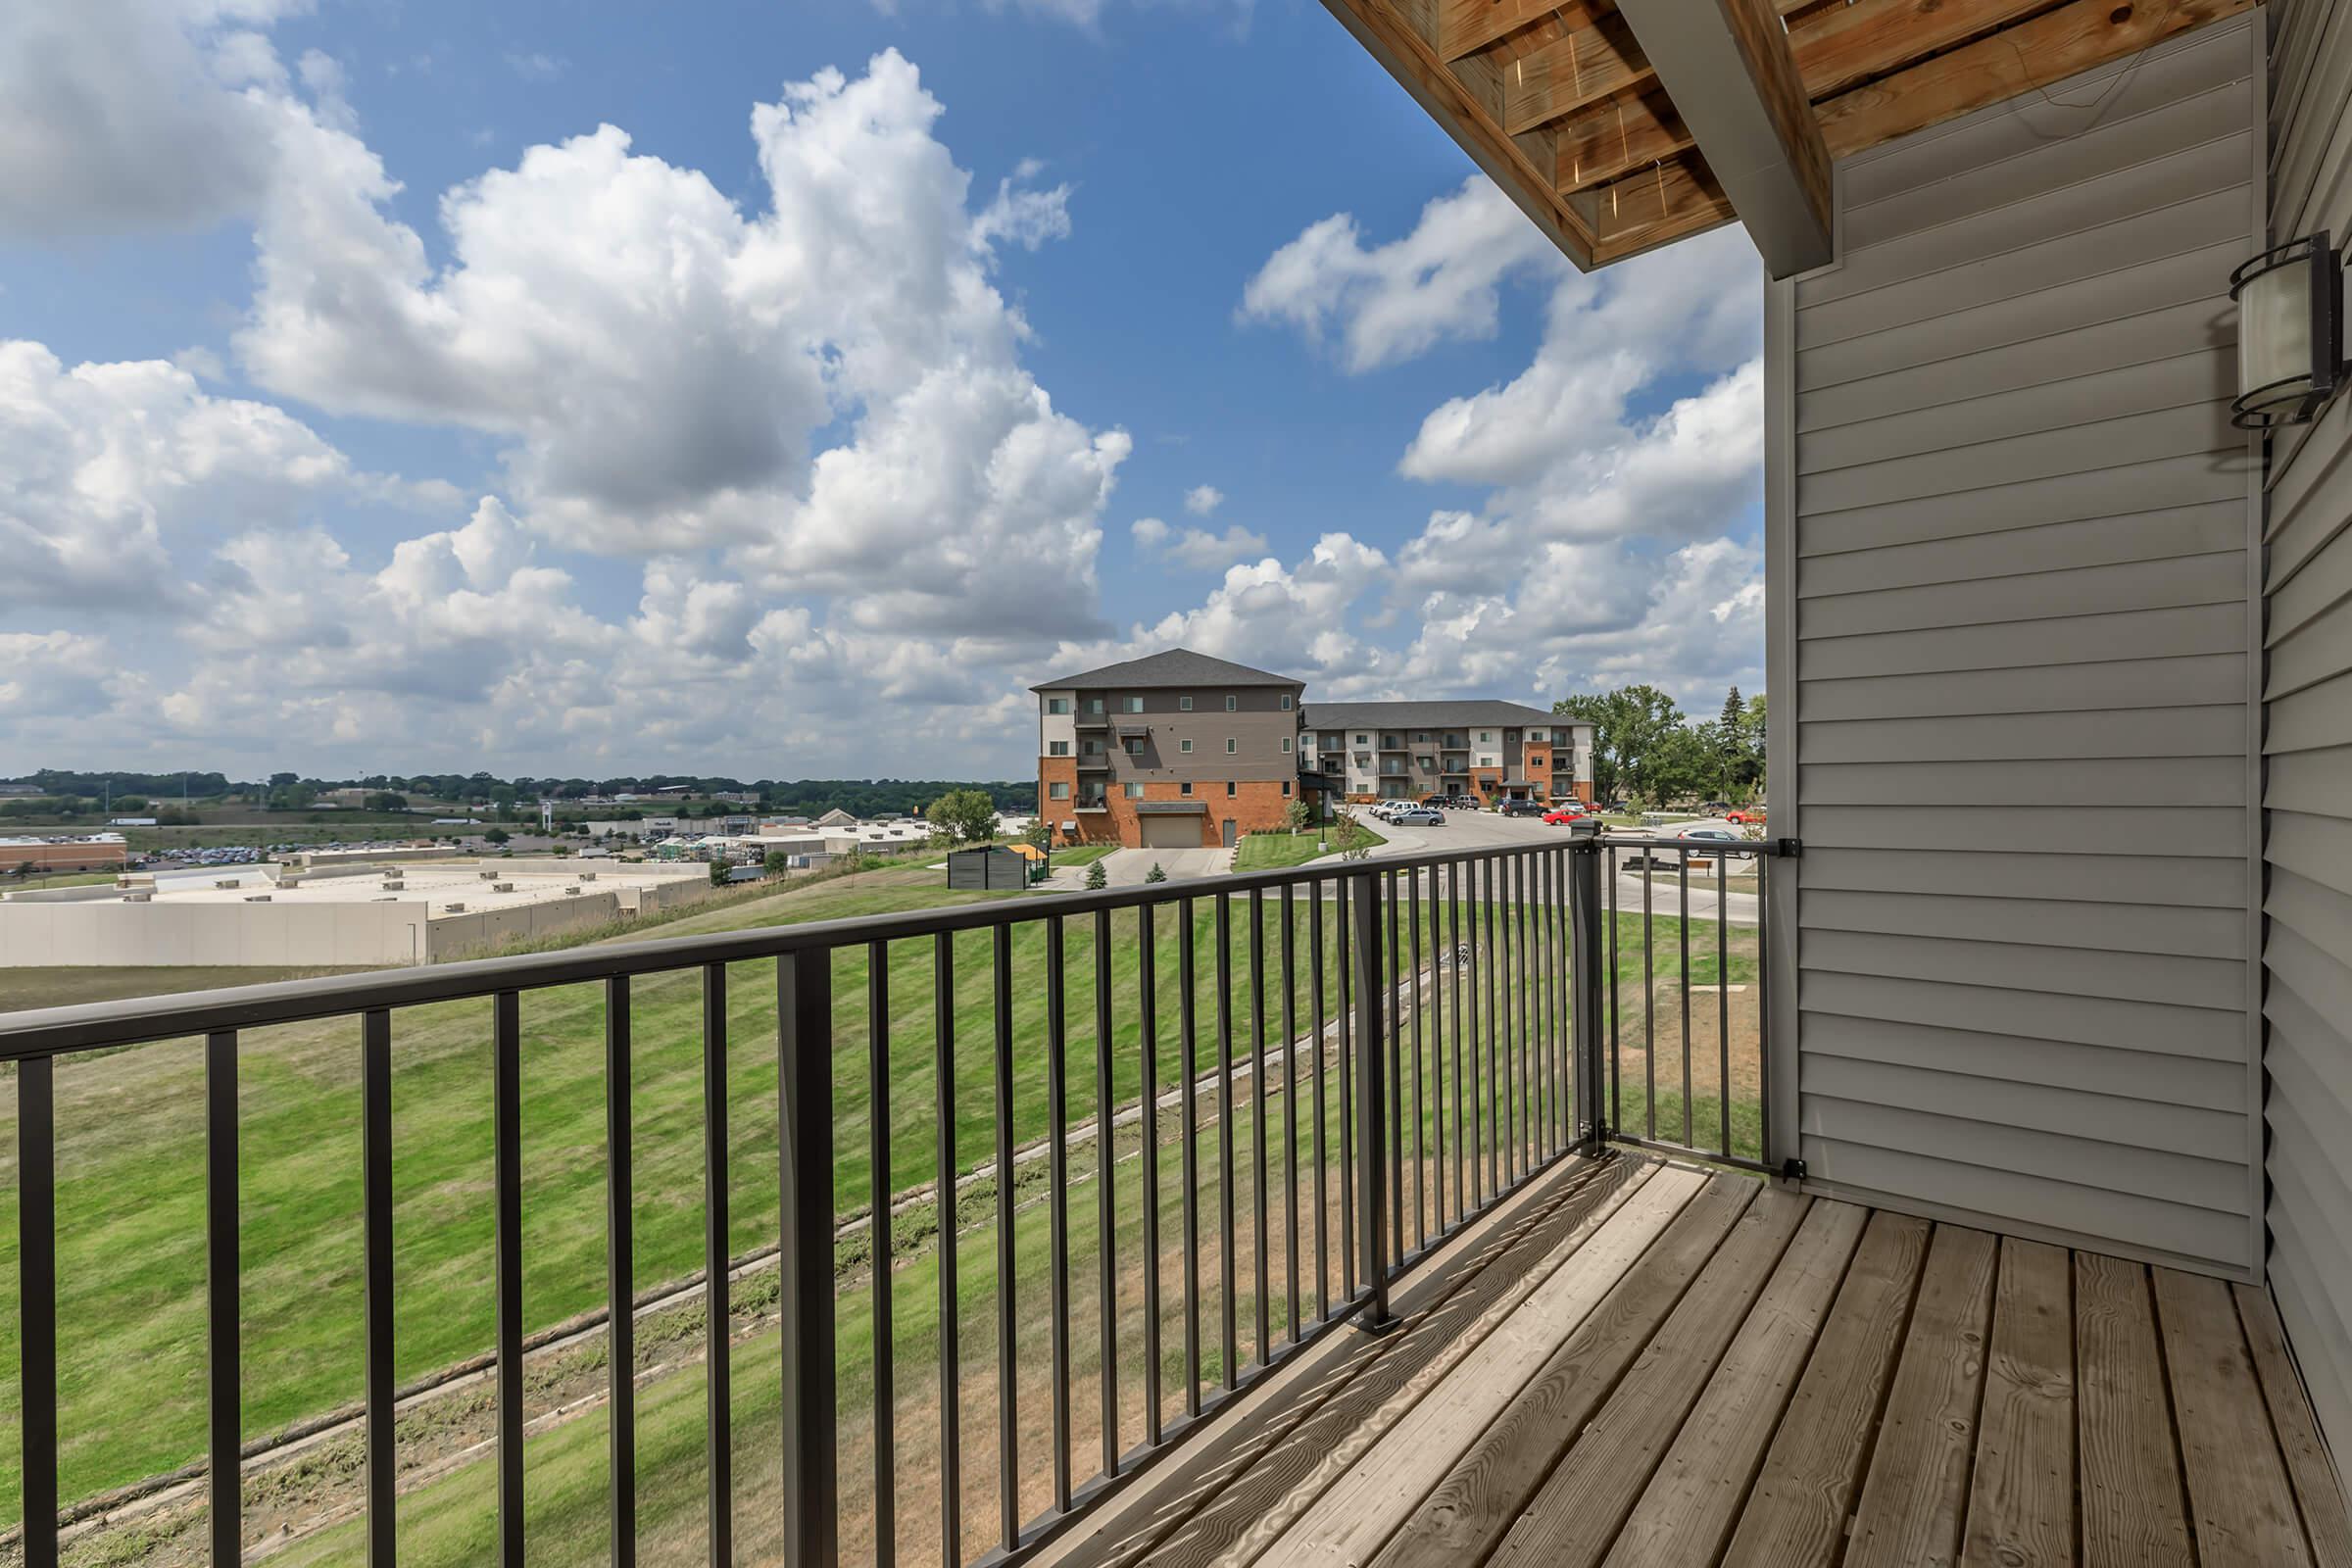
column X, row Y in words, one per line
column 1647, row 751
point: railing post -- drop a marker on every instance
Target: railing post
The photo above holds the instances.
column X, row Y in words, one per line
column 1590, row 981
column 804, row 1175
column 1372, row 1137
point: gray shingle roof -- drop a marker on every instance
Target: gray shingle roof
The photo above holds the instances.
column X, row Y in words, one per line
column 1176, row 666
column 1427, row 715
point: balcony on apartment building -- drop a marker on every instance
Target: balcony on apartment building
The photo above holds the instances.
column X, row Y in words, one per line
column 1567, row 1201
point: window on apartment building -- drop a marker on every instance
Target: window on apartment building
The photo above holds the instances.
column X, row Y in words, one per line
column 1286, row 789
column 1094, row 748
column 1186, row 747
column 1285, row 743
column 1535, row 734
column 1285, row 701
column 1058, row 748
column 1184, row 788
column 1363, row 740
column 1094, row 704
column 1058, row 705
column 1184, row 704
column 1232, row 746
column 1233, row 703
column 1131, row 704
column 1135, row 792
column 1425, row 764
column 1231, row 789
column 1485, row 736
column 1057, row 791
column 1134, row 745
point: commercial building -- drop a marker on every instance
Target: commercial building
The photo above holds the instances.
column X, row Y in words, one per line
column 352, row 915
column 85, row 851
column 1174, row 751
column 1491, row 751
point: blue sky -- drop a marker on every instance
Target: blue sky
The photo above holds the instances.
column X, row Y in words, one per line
column 372, row 410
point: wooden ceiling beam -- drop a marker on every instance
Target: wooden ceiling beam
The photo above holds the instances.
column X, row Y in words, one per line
column 2033, row 54
column 1847, row 45
column 1727, row 65
column 1678, row 198
column 1628, row 132
column 1406, row 54
column 1465, row 26
column 1574, row 66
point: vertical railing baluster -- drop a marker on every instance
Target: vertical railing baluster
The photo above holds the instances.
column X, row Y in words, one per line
column 1531, row 1006
column 1107, row 1286
column 375, row 1242
column 1057, row 1205
column 1722, row 999
column 36, row 1305
column 1314, row 960
column 943, row 1200
column 1147, row 973
column 1257, row 1122
column 1009, row 1420
column 1371, row 1104
column 1412, row 883
column 878, row 1235
column 718, row 1398
column 1290, row 1112
column 1683, row 936
column 1465, row 1161
column 804, row 1256
column 1497, row 1093
column 1229, row 1343
column 1764, row 1041
column 506, row 1140
column 1650, row 1001
column 621, row 1277
column 1514, row 996
column 224, row 1362
column 1394, row 1073
column 1616, row 1108
column 1584, row 945
column 1187, row 1051
column 1436, row 981
column 1563, row 1038
column 1539, row 870
column 1342, row 897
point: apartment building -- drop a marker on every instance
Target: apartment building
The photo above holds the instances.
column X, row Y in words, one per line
column 1492, row 750
column 1173, row 751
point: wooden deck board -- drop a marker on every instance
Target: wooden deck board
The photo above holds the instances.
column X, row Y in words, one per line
column 1572, row 1519
column 2133, row 1513
column 1356, row 1505
column 2021, row 1500
column 2238, row 1495
column 1795, row 1517
column 1687, row 1510
column 1656, row 1367
column 1463, row 1519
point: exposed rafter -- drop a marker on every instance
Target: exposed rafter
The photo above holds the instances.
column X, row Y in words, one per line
column 1570, row 68
column 1405, row 50
column 1677, row 198
column 1726, row 64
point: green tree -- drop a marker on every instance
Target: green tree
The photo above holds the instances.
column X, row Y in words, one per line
column 496, row 835
column 1096, row 877
column 1300, row 814
column 1642, row 747
column 775, row 862
column 388, row 801
column 719, row 873
column 1156, row 874
column 1349, row 836
column 964, row 817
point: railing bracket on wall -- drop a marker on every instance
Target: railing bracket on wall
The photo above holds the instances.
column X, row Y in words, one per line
column 1793, row 1169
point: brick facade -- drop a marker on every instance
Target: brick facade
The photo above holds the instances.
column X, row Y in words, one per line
column 1256, row 806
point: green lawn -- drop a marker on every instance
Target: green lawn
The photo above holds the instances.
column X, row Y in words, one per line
column 131, row 1162
column 1274, row 851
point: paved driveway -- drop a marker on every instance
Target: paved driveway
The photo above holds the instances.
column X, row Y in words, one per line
column 1127, row 867
column 1479, row 830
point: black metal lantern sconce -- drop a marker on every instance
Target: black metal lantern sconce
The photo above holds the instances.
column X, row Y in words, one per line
column 2290, row 334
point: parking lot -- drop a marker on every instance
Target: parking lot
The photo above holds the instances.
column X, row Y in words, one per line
column 1477, row 830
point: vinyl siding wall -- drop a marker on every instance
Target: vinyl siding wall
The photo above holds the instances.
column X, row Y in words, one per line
column 2014, row 596
column 2307, row 948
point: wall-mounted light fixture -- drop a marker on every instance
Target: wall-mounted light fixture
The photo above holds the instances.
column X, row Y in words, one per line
column 2290, row 334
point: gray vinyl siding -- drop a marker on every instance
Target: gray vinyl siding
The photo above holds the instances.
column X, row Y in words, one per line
column 2020, row 626
column 2307, row 949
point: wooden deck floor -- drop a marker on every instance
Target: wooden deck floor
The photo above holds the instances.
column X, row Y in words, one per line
column 1644, row 1363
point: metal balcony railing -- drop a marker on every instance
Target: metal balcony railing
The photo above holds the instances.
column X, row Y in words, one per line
column 1417, row 1037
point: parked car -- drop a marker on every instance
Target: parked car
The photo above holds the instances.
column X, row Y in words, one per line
column 1703, row 842
column 1562, row 815
column 1747, row 814
column 1523, row 807
column 1417, row 817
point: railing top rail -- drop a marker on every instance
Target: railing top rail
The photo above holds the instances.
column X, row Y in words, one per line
column 91, row 1026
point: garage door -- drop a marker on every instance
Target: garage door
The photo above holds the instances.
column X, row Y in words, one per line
column 1170, row 832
